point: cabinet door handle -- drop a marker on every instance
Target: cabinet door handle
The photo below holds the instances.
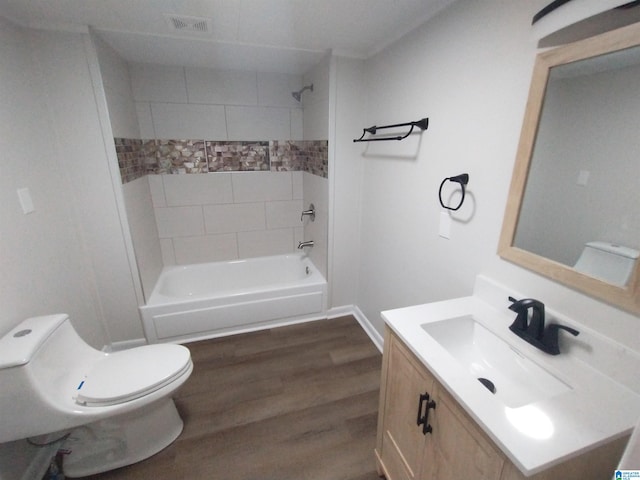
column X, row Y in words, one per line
column 422, row 419
column 426, row 428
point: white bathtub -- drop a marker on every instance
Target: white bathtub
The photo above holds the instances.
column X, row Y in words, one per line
column 194, row 302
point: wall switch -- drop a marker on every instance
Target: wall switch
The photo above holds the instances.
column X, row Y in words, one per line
column 583, row 178
column 445, row 225
column 25, row 200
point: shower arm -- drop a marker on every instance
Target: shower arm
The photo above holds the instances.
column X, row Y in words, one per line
column 298, row 95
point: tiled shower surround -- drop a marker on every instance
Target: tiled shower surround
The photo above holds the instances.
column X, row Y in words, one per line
column 137, row 158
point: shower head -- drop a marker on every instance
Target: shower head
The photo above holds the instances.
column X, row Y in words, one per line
column 297, row 95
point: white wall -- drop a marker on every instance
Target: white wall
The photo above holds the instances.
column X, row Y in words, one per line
column 39, row 277
column 345, row 179
column 50, row 258
column 469, row 70
column 80, row 125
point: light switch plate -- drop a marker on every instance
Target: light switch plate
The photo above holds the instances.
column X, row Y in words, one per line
column 583, row 178
column 26, row 201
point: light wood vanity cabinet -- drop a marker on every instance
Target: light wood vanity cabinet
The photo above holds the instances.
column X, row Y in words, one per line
column 455, row 447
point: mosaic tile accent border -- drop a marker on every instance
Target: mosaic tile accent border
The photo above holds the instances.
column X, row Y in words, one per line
column 128, row 151
column 137, row 158
column 237, row 156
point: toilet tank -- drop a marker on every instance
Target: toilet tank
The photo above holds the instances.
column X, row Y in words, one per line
column 20, row 345
column 607, row 261
column 35, row 360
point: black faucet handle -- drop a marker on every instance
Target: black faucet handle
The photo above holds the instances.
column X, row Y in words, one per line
column 521, row 307
column 525, row 303
column 557, row 326
column 533, row 326
column 550, row 338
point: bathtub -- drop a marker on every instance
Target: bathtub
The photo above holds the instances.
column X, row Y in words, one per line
column 195, row 302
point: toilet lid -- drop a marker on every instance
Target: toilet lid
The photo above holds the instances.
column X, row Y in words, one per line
column 130, row 374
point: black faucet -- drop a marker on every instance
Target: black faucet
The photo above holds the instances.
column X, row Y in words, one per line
column 532, row 329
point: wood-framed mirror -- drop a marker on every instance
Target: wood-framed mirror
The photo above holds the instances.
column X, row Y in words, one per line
column 576, row 177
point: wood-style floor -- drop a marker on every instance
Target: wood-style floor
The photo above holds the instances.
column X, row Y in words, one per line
column 297, row 402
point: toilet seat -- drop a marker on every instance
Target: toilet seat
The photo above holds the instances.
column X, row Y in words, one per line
column 124, row 376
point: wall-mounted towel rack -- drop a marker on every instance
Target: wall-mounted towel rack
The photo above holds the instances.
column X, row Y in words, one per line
column 422, row 124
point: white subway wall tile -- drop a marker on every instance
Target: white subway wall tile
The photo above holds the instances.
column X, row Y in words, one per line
column 158, row 83
column 183, row 121
column 316, row 190
column 258, row 123
column 235, row 217
column 122, row 114
column 144, row 232
column 179, row 221
column 145, row 121
column 261, row 186
column 265, row 242
column 208, row 248
column 285, row 214
column 221, row 87
column 316, row 122
column 197, row 189
column 298, row 236
column 168, row 253
column 275, row 89
column 296, row 178
column 321, row 79
column 113, row 69
column 297, row 123
column 156, row 186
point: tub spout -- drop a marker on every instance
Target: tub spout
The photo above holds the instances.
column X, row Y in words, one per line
column 308, row 243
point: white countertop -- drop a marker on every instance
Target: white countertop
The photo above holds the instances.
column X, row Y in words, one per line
column 594, row 410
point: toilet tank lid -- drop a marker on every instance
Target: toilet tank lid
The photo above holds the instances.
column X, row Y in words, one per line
column 615, row 248
column 19, row 345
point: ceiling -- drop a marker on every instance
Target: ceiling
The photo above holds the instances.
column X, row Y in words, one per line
column 288, row 36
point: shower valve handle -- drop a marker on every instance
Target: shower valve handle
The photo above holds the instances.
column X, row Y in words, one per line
column 311, row 213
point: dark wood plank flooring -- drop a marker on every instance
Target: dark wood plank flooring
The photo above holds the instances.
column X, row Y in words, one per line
column 297, row 402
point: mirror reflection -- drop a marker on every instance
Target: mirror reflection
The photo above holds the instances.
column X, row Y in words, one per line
column 573, row 211
column 581, row 204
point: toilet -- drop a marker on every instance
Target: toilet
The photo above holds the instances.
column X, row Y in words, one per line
column 607, row 261
column 114, row 409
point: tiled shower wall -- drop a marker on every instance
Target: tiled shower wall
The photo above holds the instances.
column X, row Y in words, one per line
column 245, row 174
column 224, row 200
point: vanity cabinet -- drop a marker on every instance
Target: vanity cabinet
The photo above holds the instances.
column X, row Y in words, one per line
column 453, row 446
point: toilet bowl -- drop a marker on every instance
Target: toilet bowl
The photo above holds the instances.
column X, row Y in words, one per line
column 115, row 407
column 607, row 261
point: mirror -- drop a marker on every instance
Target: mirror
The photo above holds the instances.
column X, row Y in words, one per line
column 577, row 170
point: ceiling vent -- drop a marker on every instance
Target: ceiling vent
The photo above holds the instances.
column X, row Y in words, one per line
column 185, row 24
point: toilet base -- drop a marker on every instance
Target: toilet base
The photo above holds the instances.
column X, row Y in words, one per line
column 121, row 440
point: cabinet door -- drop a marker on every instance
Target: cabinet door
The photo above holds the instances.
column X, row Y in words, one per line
column 457, row 447
column 403, row 443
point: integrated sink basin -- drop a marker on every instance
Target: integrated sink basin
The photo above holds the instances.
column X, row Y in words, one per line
column 514, row 379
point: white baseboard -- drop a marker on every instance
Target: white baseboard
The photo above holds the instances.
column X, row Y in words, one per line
column 364, row 322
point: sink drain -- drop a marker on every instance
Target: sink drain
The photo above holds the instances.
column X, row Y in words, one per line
column 487, row 383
